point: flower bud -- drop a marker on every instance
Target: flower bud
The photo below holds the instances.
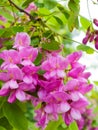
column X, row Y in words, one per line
column 95, row 21
column 85, row 40
column 96, row 42
column 91, row 37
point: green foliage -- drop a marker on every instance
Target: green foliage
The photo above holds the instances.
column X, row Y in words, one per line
column 18, row 121
column 52, row 46
column 84, row 22
column 5, row 123
column 2, row 128
column 38, row 59
column 87, row 49
column 54, row 124
column 73, row 126
column 49, row 3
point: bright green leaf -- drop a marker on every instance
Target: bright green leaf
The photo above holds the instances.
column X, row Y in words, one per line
column 84, row 22
column 74, row 7
column 64, row 11
column 49, row 3
column 53, row 125
column 73, row 126
column 15, row 116
column 96, row 83
column 6, row 14
column 58, row 20
column 87, row 49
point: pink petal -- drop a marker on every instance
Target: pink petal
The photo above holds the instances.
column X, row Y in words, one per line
column 71, row 85
column 75, row 114
column 48, row 108
column 20, row 95
column 75, row 96
column 63, row 107
column 28, row 79
column 21, row 40
column 13, row 84
column 12, row 97
column 4, row 92
column 61, row 73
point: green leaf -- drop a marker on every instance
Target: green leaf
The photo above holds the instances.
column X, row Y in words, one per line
column 1, row 31
column 84, row 22
column 35, row 41
column 5, row 123
column 73, row 126
column 38, row 59
column 64, row 11
column 1, row 113
column 96, row 83
column 15, row 116
column 58, row 20
column 16, row 29
column 6, row 14
column 27, row 2
column 74, row 7
column 49, row 3
column 71, row 22
column 53, row 125
column 2, row 128
column 51, row 46
column 86, row 48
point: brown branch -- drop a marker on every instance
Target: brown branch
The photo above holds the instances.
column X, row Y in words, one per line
column 21, row 10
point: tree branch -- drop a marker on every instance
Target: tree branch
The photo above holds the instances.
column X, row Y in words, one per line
column 21, row 10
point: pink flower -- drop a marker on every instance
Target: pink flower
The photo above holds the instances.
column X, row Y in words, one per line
column 29, row 56
column 30, row 74
column 73, row 57
column 54, row 67
column 21, row 40
column 10, row 57
column 77, row 108
column 12, row 72
column 31, row 7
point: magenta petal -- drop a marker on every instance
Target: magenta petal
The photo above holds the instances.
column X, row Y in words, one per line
column 4, row 92
column 12, row 97
column 75, row 96
column 20, row 95
column 71, row 85
column 60, row 73
column 67, row 118
column 63, row 107
column 48, row 108
column 28, row 79
column 4, row 76
column 82, row 103
column 75, row 72
column 13, row 84
column 22, row 39
column 75, row 114
column 75, row 56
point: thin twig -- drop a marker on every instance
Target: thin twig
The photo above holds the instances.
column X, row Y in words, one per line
column 21, row 10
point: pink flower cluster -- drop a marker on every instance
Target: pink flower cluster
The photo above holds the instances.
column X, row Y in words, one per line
column 60, row 90
column 92, row 35
column 87, row 120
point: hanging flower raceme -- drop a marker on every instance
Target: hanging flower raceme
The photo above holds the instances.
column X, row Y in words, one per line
column 92, row 35
column 60, row 89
